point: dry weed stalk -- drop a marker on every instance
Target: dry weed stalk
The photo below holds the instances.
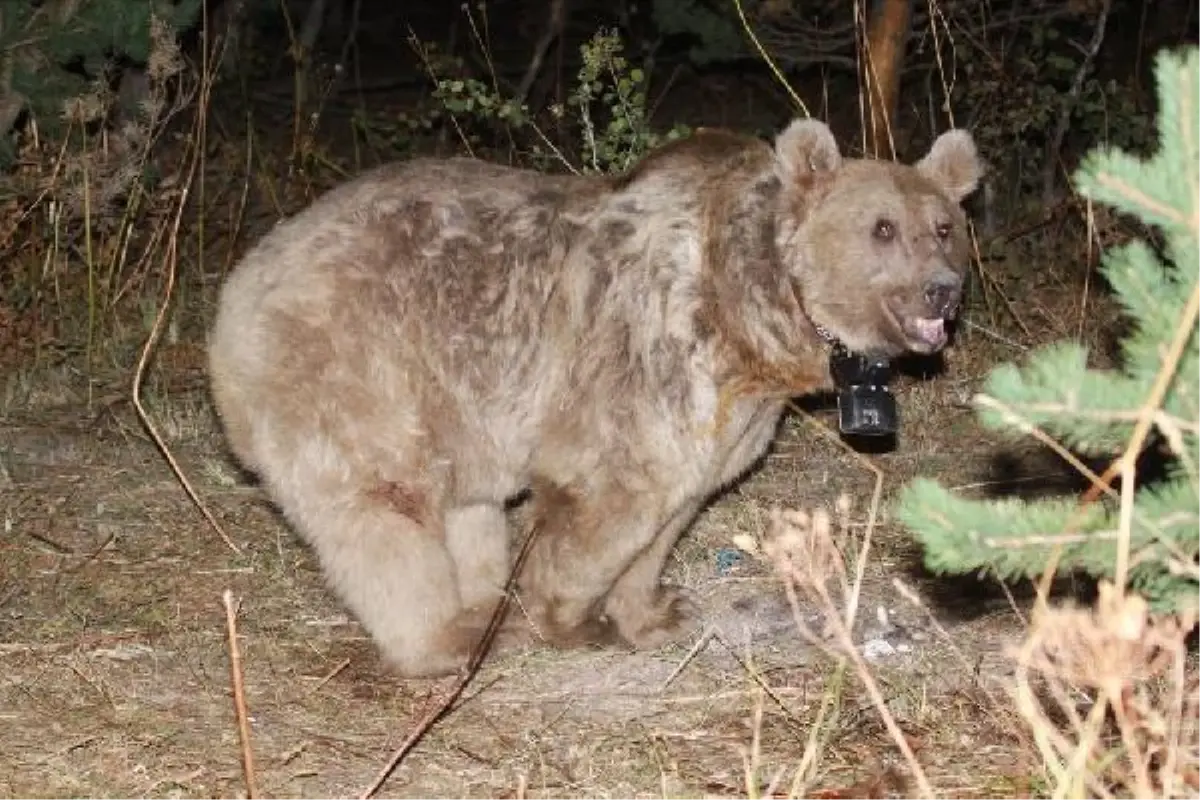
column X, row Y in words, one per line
column 804, row 549
column 1111, row 693
column 1112, row 698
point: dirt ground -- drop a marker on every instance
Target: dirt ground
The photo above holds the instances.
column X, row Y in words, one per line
column 115, row 675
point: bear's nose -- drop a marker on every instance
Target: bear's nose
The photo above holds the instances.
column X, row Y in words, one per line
column 943, row 294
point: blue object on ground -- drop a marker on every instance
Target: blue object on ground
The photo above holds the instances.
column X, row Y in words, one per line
column 727, row 559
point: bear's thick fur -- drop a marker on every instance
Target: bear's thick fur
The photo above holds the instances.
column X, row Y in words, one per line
column 431, row 339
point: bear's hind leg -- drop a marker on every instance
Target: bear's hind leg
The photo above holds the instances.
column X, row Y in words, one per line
column 383, row 551
column 478, row 541
column 585, row 539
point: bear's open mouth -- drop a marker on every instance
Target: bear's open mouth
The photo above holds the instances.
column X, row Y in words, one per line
column 929, row 332
column 921, row 334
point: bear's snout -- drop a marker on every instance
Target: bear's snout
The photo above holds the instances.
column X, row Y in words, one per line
column 943, row 294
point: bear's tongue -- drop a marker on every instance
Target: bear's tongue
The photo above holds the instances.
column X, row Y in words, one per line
column 930, row 331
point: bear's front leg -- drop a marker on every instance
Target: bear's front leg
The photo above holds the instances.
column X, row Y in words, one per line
column 646, row 613
column 592, row 572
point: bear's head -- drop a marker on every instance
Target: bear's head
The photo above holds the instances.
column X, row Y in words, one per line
column 878, row 250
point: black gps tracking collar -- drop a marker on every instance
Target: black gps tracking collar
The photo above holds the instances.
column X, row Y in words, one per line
column 866, row 406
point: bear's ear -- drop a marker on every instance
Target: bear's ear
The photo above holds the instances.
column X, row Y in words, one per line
column 953, row 164
column 806, row 147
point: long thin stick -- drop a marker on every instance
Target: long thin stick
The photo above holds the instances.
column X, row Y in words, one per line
column 845, row 643
column 554, row 29
column 171, row 265
column 239, row 696
column 860, row 565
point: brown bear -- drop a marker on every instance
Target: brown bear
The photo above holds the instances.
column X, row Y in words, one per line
column 433, row 338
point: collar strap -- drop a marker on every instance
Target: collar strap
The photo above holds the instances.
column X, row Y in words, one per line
column 825, row 335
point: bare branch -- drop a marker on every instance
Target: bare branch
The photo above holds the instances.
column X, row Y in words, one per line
column 1050, row 168
column 554, row 29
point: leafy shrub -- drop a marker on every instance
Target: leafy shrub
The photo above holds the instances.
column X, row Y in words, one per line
column 607, row 109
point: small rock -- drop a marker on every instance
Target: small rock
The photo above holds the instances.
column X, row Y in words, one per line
column 876, row 649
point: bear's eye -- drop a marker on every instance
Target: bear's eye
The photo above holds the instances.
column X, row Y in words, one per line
column 885, row 230
column 943, row 230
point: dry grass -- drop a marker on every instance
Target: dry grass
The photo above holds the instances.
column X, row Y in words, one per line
column 1078, row 665
column 1109, row 694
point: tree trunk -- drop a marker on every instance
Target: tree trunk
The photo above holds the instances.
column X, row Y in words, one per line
column 887, row 37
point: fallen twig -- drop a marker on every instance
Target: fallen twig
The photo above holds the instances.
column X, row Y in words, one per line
column 239, row 696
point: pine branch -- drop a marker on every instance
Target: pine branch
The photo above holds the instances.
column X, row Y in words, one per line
column 1146, row 538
